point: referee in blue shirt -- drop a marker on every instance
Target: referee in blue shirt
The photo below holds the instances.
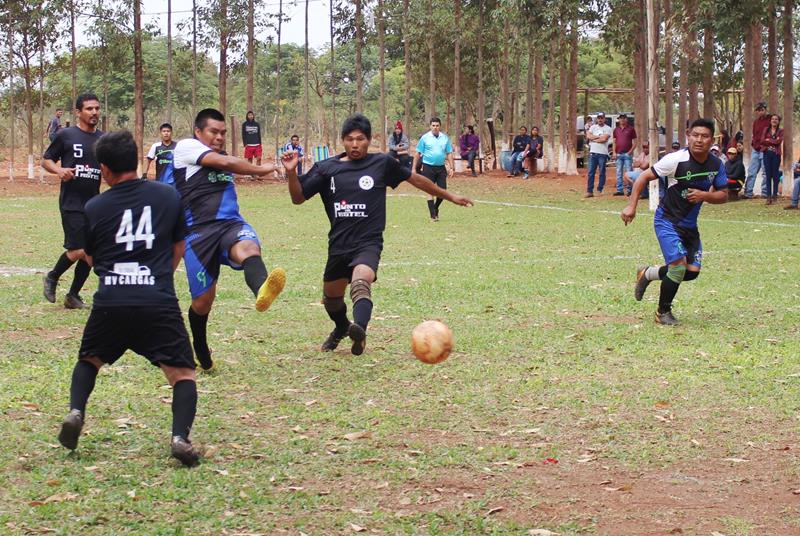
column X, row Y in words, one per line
column 435, row 149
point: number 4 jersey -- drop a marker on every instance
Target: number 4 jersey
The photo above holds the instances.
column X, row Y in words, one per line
column 74, row 148
column 130, row 233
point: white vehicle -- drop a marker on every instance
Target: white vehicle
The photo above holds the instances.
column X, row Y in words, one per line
column 130, row 268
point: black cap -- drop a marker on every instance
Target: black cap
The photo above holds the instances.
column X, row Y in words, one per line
column 676, row 145
column 761, row 106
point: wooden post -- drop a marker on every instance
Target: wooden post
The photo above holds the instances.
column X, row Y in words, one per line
column 652, row 94
column 234, row 143
column 788, row 100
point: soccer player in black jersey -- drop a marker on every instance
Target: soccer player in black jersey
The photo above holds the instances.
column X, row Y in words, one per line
column 79, row 173
column 693, row 176
column 217, row 232
column 161, row 152
column 353, row 187
column 134, row 239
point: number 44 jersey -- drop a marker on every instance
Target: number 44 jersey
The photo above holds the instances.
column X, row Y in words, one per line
column 131, row 230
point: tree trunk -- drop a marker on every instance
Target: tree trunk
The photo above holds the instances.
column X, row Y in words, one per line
column 708, row 72
column 138, row 78
column 788, row 98
column 563, row 119
column 194, row 61
column 278, row 83
column 306, row 117
column 456, row 131
column 772, row 60
column 251, row 51
column 169, row 61
column 537, row 89
column 669, row 75
column 758, row 63
column 529, row 107
column 550, row 142
column 359, row 67
column 572, row 114
column 481, row 119
column 748, row 97
column 224, row 35
column 382, row 69
column 683, row 84
column 640, row 71
column 508, row 127
column 407, row 70
column 333, row 80
column 73, row 59
column 42, row 132
column 12, row 111
column 431, row 62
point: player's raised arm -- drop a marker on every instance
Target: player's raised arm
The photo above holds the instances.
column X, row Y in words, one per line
column 290, row 160
column 235, row 165
column 423, row 183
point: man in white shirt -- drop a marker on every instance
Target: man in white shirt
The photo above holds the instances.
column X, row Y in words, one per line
column 599, row 134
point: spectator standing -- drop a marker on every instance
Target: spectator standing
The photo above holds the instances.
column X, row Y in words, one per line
column 598, row 136
column 624, row 146
column 760, row 124
column 796, row 189
column 771, row 144
column 251, row 138
column 294, row 145
column 734, row 168
column 55, row 125
column 535, row 151
column 520, row 146
column 469, row 145
column 399, row 145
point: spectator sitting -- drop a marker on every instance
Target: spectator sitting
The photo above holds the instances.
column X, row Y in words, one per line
column 796, row 188
column 715, row 152
column 522, row 143
column 734, row 168
column 398, row 145
column 294, row 145
column 469, row 144
column 640, row 163
column 535, row 151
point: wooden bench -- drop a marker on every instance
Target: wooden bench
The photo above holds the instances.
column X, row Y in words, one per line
column 461, row 164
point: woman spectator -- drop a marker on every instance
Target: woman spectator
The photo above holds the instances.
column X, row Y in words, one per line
column 772, row 142
column 398, row 145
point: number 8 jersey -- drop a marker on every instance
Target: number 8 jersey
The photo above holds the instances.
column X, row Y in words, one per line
column 130, row 233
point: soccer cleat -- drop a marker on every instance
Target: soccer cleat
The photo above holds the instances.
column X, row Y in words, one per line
column 206, row 363
column 73, row 301
column 789, row 207
column 358, row 335
column 71, row 429
column 641, row 283
column 50, row 288
column 333, row 340
column 270, row 289
column 616, row 194
column 183, row 451
column 666, row 319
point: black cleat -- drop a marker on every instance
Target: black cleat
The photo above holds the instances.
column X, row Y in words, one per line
column 641, row 283
column 333, row 340
column 206, row 363
column 666, row 319
column 71, row 429
column 50, row 288
column 358, row 335
column 183, row 451
column 73, row 301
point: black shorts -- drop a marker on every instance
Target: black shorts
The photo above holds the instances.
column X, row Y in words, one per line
column 208, row 246
column 156, row 332
column 341, row 266
column 74, row 224
column 437, row 175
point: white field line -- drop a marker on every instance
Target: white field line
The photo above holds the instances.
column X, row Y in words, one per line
column 646, row 214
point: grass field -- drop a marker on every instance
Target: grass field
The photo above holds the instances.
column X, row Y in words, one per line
column 564, row 407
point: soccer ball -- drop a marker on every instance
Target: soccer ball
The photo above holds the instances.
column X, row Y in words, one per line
column 431, row 342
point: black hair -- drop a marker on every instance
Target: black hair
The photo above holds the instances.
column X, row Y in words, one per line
column 117, row 150
column 165, row 125
column 83, row 97
column 204, row 115
column 435, row 120
column 471, row 129
column 59, row 109
column 536, row 128
column 703, row 123
column 249, row 112
column 294, row 136
column 357, row 122
column 523, row 127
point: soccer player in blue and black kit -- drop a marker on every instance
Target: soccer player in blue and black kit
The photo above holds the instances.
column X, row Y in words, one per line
column 162, row 154
column 353, row 188
column 217, row 232
column 693, row 176
column 79, row 173
column 134, row 238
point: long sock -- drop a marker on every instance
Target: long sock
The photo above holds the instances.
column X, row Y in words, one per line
column 82, row 271
column 198, row 324
column 438, row 203
column 431, row 208
column 339, row 318
column 669, row 289
column 184, row 407
column 656, row 273
column 83, row 377
column 362, row 312
column 62, row 265
column 255, row 273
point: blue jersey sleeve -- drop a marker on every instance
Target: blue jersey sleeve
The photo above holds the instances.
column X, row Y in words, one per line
column 721, row 178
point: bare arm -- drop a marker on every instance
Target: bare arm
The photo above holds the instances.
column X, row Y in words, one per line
column 451, row 161
column 422, row 183
column 715, row 197
column 290, row 161
column 629, row 212
column 146, row 169
column 235, row 165
column 177, row 253
column 64, row 174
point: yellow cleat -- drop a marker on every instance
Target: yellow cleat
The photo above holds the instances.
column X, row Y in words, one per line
column 270, row 290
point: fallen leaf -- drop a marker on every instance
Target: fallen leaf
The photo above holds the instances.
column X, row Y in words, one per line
column 359, row 511
column 715, row 533
column 605, row 482
column 550, row 461
column 223, row 472
column 357, row 435
column 735, row 460
column 53, row 482
column 131, row 494
column 60, row 497
column 662, row 404
column 295, row 488
column 311, row 402
column 542, row 532
column 357, row 528
column 495, row 510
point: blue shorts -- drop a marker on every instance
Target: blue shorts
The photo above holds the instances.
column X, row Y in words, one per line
column 208, row 246
column 678, row 242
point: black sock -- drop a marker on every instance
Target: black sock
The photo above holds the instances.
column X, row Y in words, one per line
column 83, row 378
column 438, row 203
column 82, row 271
column 62, row 265
column 255, row 273
column 669, row 289
column 362, row 312
column 184, row 407
column 198, row 323
column 431, row 208
column 340, row 318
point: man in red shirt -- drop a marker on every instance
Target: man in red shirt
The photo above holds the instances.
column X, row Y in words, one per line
column 760, row 125
column 624, row 144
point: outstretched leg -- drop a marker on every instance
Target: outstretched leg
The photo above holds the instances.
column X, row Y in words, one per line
column 83, row 380
column 333, row 300
column 184, row 409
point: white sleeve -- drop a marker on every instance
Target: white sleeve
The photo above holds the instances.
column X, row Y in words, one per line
column 151, row 154
column 668, row 164
column 188, row 152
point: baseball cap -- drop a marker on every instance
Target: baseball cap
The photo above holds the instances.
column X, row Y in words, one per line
column 676, row 145
column 761, row 106
column 600, row 114
column 715, row 147
column 732, row 150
